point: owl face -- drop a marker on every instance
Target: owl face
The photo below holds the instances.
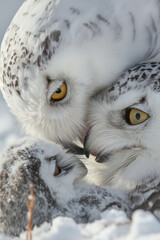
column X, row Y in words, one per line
column 47, row 72
column 61, row 172
column 54, row 104
column 43, row 164
column 124, row 125
column 54, row 174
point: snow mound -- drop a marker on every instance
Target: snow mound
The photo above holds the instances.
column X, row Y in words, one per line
column 112, row 226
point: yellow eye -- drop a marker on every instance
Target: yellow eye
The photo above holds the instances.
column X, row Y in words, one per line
column 135, row 116
column 57, row 171
column 60, row 93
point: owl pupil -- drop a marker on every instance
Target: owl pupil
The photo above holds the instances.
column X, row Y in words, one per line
column 138, row 116
column 58, row 90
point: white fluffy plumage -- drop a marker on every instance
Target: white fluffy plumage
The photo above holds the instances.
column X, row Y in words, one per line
column 58, row 188
column 87, row 44
column 124, row 128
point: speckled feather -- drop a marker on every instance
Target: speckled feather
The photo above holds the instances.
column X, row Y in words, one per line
column 146, row 196
column 141, row 76
column 130, row 153
column 33, row 161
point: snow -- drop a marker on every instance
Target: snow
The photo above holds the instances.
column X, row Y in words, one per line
column 113, row 225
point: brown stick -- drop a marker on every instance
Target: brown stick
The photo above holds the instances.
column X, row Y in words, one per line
column 30, row 204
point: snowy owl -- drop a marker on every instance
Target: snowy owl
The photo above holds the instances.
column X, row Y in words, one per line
column 124, row 131
column 59, row 190
column 57, row 53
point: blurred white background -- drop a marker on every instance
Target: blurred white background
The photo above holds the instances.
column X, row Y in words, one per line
column 9, row 128
column 8, row 8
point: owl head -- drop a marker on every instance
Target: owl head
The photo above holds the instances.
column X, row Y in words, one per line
column 41, row 163
column 47, row 70
column 124, row 124
column 53, row 173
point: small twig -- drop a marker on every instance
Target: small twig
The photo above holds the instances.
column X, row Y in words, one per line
column 30, row 204
column 124, row 223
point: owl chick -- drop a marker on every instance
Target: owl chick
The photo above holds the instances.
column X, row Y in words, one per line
column 56, row 178
column 56, row 54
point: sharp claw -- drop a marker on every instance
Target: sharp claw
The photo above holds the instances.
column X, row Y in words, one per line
column 103, row 158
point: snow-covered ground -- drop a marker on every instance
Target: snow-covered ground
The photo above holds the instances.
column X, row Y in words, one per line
column 113, row 225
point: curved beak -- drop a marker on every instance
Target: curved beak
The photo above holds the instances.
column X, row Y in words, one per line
column 86, row 147
column 100, row 158
column 73, row 148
